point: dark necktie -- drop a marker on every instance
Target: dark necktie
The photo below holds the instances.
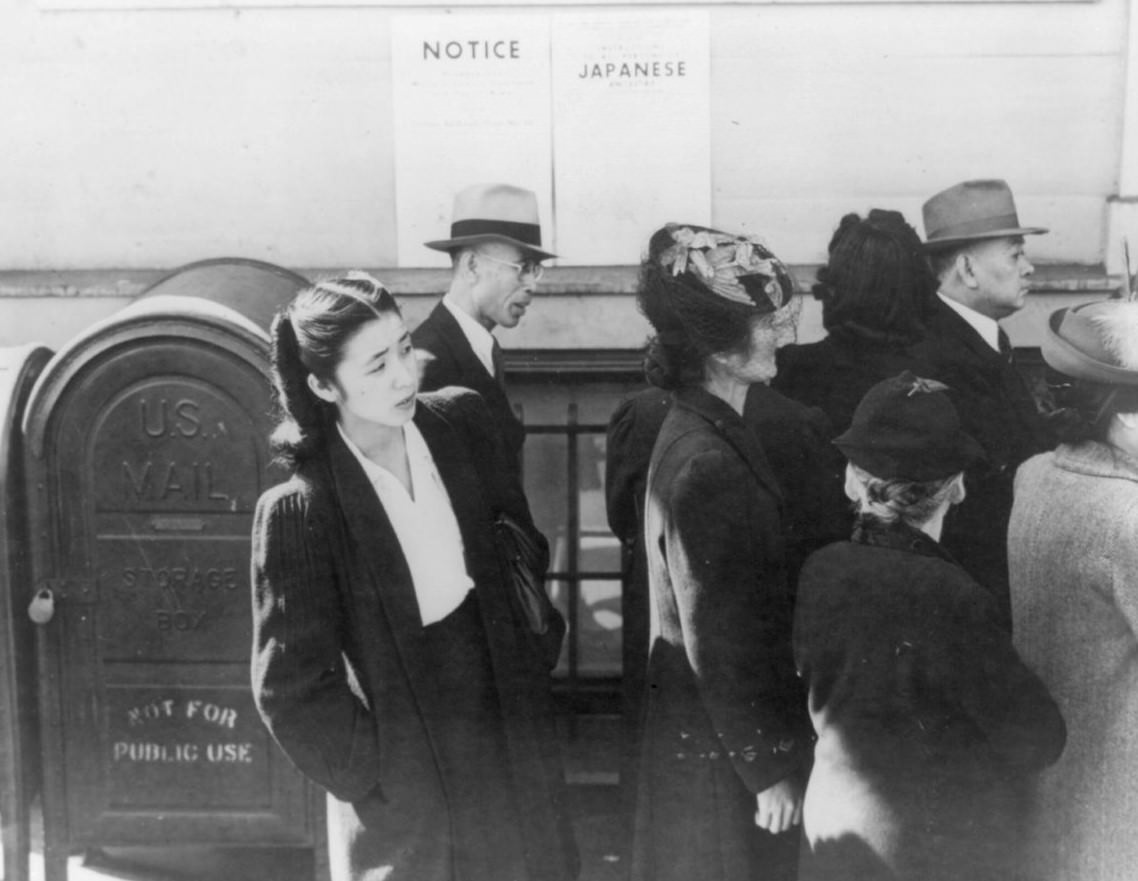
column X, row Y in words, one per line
column 496, row 359
column 1006, row 347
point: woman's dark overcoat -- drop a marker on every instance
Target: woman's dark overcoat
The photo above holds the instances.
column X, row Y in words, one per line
column 927, row 719
column 343, row 682
column 726, row 716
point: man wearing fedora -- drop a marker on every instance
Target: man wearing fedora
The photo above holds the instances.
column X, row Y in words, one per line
column 496, row 254
column 976, row 247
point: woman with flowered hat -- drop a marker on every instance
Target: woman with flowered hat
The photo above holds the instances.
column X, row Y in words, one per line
column 727, row 741
column 1073, row 562
column 926, row 717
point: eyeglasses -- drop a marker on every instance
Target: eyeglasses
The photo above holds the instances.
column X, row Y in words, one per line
column 530, row 267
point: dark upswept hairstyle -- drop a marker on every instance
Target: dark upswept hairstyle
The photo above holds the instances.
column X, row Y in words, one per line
column 690, row 321
column 309, row 336
column 877, row 285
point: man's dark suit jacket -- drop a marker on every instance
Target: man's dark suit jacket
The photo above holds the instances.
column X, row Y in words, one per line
column 451, row 361
column 998, row 410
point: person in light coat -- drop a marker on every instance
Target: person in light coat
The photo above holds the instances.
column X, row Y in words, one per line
column 1073, row 552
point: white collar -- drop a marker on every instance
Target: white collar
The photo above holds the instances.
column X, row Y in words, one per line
column 416, row 446
column 480, row 339
column 987, row 327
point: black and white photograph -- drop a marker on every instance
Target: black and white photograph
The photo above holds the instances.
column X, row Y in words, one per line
column 660, row 440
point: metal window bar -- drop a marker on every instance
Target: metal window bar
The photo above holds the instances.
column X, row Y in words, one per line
column 571, row 576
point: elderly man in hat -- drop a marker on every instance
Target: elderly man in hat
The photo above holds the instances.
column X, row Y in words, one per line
column 976, row 247
column 496, row 254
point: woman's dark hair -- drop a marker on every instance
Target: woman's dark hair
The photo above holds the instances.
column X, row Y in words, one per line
column 690, row 322
column 877, row 284
column 309, row 336
column 1083, row 409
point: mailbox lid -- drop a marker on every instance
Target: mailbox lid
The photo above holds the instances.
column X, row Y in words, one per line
column 148, row 457
column 253, row 288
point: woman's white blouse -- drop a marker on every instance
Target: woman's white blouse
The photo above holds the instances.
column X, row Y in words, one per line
column 425, row 525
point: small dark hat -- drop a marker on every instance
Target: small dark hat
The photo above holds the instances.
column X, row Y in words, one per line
column 971, row 211
column 495, row 213
column 906, row 428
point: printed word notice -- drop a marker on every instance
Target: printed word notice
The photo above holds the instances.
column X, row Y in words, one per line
column 471, row 106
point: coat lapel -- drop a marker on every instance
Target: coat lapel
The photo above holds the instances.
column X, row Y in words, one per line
column 472, row 370
column 734, row 430
column 463, row 368
column 389, row 585
column 461, row 483
column 952, row 326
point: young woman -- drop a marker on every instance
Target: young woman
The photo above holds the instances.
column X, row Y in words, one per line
column 1073, row 561
column 388, row 661
column 926, row 718
column 726, row 739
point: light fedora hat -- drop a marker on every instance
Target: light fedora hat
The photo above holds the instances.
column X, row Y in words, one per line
column 972, row 210
column 494, row 213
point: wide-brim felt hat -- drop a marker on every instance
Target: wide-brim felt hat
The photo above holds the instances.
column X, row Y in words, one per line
column 907, row 428
column 495, row 213
column 1097, row 342
column 971, row 211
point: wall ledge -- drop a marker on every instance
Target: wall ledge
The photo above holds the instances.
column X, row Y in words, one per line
column 575, row 281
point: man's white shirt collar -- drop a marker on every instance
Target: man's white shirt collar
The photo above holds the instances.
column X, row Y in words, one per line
column 987, row 327
column 480, row 339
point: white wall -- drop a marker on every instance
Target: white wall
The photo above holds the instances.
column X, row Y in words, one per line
column 158, row 138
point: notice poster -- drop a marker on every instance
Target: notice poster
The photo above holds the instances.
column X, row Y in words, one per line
column 632, row 138
column 471, row 106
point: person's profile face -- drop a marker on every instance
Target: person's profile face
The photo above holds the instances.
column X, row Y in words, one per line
column 1001, row 272
column 504, row 291
column 769, row 333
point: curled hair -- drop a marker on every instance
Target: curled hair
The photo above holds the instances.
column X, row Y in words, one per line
column 308, row 337
column 1083, row 409
column 877, row 284
column 690, row 322
column 890, row 500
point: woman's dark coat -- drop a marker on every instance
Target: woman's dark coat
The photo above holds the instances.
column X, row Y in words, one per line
column 833, row 375
column 926, row 717
column 726, row 716
column 341, row 678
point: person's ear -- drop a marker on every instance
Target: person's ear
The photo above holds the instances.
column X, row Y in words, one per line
column 967, row 270
column 321, row 389
column 469, row 264
column 957, row 493
column 852, row 485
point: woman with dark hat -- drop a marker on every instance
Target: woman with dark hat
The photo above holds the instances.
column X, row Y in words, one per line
column 388, row 661
column 726, row 740
column 926, row 717
column 1073, row 555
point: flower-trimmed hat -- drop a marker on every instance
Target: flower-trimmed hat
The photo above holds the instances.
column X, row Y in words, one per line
column 738, row 268
column 1097, row 342
column 906, row 428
